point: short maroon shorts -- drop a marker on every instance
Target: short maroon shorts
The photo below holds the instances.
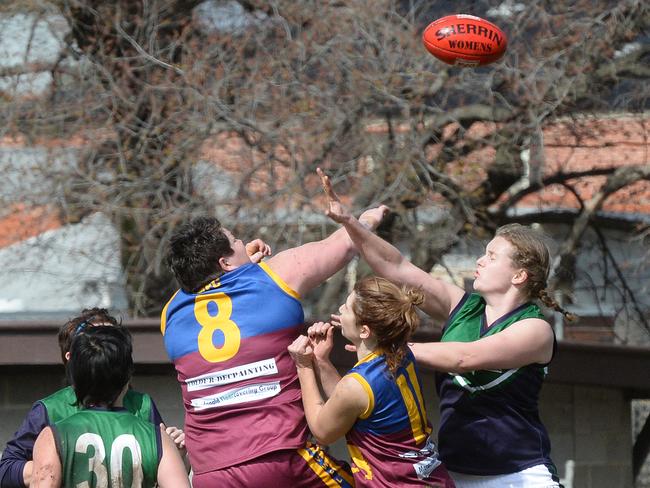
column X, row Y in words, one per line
column 301, row 468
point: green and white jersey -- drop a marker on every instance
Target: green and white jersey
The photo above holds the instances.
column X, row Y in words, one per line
column 489, row 420
column 101, row 448
column 63, row 403
column 469, row 324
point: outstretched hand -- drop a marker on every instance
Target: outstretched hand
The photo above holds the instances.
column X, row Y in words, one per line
column 338, row 212
column 372, row 217
column 257, row 249
column 335, row 209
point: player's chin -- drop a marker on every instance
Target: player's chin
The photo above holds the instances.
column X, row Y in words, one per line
column 476, row 284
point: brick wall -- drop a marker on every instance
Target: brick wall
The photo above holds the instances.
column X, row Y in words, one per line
column 19, row 389
column 592, row 427
column 589, row 425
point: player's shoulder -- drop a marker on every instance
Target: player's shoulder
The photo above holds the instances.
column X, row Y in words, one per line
column 136, row 401
column 64, row 394
column 538, row 324
column 532, row 330
column 354, row 388
column 134, row 394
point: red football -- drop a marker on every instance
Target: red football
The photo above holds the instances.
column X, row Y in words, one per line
column 464, row 40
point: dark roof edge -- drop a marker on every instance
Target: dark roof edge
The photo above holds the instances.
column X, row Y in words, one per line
column 34, row 344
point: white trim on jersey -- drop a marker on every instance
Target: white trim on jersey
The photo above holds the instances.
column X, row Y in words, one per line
column 461, row 381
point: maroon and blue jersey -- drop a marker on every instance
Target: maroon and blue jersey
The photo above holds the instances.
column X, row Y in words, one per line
column 240, row 387
column 390, row 443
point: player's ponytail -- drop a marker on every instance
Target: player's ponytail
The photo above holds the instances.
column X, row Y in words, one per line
column 550, row 302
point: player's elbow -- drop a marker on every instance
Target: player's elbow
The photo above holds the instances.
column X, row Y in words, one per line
column 47, row 474
column 463, row 363
column 322, row 434
column 324, row 438
column 462, row 367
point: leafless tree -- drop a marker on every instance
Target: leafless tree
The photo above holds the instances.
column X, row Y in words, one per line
column 158, row 87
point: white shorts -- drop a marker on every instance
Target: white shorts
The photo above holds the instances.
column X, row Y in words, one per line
column 536, row 477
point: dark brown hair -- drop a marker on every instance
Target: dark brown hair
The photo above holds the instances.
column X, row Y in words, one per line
column 194, row 252
column 390, row 313
column 89, row 317
column 101, row 364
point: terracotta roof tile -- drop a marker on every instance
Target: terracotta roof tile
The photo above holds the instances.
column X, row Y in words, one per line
column 19, row 222
column 570, row 146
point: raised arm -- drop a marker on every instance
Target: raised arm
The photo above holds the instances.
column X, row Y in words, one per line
column 525, row 342
column 305, row 267
column 328, row 420
column 386, row 260
column 47, row 471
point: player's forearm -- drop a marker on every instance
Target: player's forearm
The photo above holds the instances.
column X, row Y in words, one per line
column 451, row 357
column 312, row 400
column 327, row 375
column 345, row 241
column 341, row 246
column 46, row 475
column 305, row 267
column 171, row 469
column 383, row 257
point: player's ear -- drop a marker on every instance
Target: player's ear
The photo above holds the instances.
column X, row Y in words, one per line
column 67, row 356
column 224, row 264
column 520, row 277
column 364, row 332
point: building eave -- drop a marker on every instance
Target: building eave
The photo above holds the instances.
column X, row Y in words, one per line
column 33, row 344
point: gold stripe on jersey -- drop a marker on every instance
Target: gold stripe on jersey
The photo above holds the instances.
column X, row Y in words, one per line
column 375, row 354
column 371, row 396
column 310, row 455
column 279, row 281
column 359, row 462
column 414, row 413
column 163, row 314
column 410, row 369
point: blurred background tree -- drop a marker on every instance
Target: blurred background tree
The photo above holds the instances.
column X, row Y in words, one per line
column 180, row 108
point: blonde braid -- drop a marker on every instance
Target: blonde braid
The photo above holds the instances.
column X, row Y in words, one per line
column 550, row 302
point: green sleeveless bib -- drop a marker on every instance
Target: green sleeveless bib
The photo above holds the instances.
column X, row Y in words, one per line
column 104, row 448
column 468, row 325
column 62, row 403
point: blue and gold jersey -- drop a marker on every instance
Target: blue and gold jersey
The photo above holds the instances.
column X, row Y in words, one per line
column 390, row 442
column 229, row 346
column 489, row 420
